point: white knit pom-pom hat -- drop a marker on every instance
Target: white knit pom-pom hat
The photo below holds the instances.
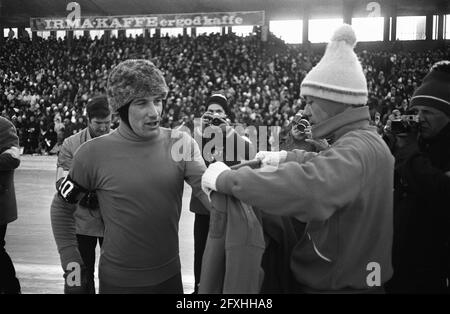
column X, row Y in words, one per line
column 339, row 75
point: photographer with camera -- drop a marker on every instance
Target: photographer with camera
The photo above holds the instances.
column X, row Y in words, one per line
column 422, row 189
column 215, row 121
column 88, row 221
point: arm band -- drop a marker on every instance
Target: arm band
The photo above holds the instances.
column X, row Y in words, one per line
column 70, row 191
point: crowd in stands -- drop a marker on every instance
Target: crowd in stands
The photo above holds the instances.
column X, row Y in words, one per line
column 44, row 85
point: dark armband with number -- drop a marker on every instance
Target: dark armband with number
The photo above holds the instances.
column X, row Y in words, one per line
column 71, row 191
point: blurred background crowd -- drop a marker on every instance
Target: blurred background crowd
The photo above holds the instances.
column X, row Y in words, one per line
column 44, row 85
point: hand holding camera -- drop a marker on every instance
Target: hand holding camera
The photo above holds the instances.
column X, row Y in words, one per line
column 215, row 120
column 301, row 128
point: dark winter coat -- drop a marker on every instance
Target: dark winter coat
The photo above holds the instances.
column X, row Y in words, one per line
column 422, row 212
column 8, row 139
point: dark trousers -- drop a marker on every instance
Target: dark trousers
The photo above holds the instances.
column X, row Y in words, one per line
column 201, row 229
column 9, row 284
column 172, row 285
column 86, row 246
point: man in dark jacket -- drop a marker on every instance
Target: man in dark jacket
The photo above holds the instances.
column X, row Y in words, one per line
column 9, row 160
column 216, row 117
column 422, row 190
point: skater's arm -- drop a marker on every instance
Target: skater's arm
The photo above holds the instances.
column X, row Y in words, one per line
column 63, row 226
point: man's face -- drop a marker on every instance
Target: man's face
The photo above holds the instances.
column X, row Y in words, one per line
column 99, row 126
column 144, row 115
column 313, row 110
column 215, row 109
column 431, row 121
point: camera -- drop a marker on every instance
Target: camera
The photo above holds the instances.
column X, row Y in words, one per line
column 406, row 124
column 216, row 121
column 302, row 126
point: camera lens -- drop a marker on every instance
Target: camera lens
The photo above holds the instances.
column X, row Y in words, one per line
column 302, row 125
column 216, row 122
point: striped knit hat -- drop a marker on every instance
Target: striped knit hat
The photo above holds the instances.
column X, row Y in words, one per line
column 339, row 75
column 435, row 89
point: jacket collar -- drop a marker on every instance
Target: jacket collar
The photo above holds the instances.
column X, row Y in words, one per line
column 351, row 119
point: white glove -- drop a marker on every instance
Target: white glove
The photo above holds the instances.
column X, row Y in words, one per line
column 271, row 158
column 210, row 176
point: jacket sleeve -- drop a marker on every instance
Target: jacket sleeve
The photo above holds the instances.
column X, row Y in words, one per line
column 300, row 156
column 65, row 155
column 310, row 191
column 194, row 169
column 8, row 162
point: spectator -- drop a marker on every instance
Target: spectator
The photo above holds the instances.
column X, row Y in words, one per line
column 88, row 222
column 421, row 254
column 215, row 122
column 9, row 160
column 254, row 76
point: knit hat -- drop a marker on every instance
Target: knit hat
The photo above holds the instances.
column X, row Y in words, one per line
column 339, row 75
column 134, row 78
column 220, row 100
column 435, row 89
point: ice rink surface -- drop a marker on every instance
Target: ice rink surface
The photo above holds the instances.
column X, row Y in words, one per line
column 29, row 239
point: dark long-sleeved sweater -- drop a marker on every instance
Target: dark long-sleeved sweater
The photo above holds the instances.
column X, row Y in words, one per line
column 139, row 184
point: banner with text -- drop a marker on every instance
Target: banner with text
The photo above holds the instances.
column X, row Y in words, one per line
column 221, row 19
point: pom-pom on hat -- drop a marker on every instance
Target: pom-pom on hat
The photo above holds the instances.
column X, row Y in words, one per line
column 435, row 89
column 134, row 78
column 338, row 76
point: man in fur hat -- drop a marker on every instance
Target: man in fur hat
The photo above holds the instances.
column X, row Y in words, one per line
column 139, row 179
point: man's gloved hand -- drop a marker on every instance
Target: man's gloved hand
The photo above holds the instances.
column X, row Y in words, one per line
column 77, row 281
column 271, row 158
column 210, row 176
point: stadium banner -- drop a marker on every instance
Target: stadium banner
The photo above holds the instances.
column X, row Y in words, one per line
column 221, row 19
